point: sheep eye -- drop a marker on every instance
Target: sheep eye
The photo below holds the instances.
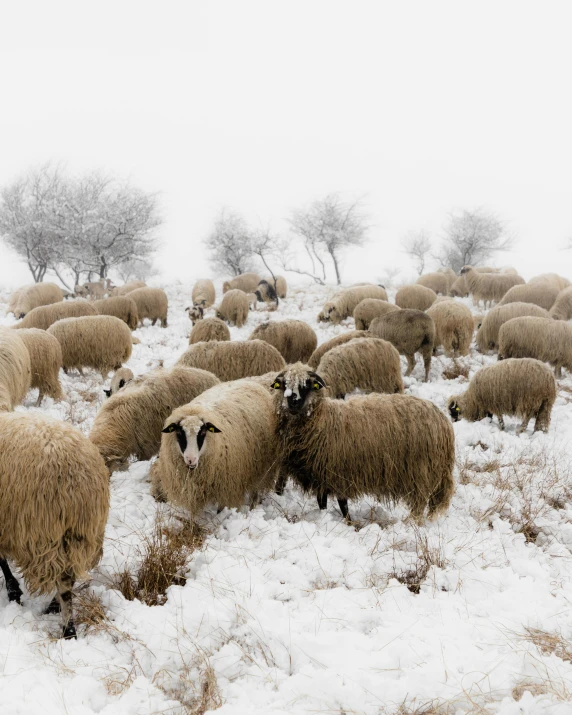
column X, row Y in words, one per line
column 316, row 386
column 211, row 429
column 457, row 409
column 277, row 385
column 171, row 428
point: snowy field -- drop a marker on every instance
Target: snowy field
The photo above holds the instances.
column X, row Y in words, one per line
column 288, row 609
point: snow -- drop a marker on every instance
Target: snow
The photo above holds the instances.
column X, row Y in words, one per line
column 288, row 609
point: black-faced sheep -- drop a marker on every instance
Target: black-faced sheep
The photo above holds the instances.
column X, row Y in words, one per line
column 54, row 506
column 246, row 282
column 562, row 308
column 415, row 297
column 320, row 351
column 487, row 337
column 122, row 377
column 541, row 294
column 294, row 339
column 204, row 293
column 266, row 293
column 281, row 285
column 544, row 339
column 343, row 304
column 453, row 326
column 522, row 387
column 369, row 309
column 15, row 370
column 122, row 307
column 209, row 329
column 152, row 303
column 234, row 307
column 233, row 360
column 489, row 287
column 32, row 296
column 45, row 362
column 392, row 447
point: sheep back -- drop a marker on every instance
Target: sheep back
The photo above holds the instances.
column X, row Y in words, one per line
column 544, row 339
column 320, row 351
column 152, row 303
column 46, row 315
column 562, row 308
column 295, row 340
column 453, row 326
column 246, row 282
column 553, row 278
column 234, row 307
column 15, row 370
column 368, row 309
column 209, row 329
column 489, row 287
column 439, row 282
column 204, row 292
column 122, row 307
column 45, row 362
column 344, row 304
column 410, row 331
column 541, row 294
column 487, row 337
column 29, row 297
column 128, row 288
column 233, row 360
column 415, row 297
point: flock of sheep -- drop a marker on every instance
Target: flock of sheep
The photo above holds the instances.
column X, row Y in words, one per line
column 235, row 419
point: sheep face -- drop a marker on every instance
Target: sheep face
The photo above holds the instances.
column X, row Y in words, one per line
column 297, row 389
column 454, row 409
column 191, row 435
column 465, row 269
column 197, row 312
column 325, row 314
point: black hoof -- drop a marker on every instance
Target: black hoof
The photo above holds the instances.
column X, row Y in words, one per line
column 15, row 594
column 69, row 632
column 54, row 607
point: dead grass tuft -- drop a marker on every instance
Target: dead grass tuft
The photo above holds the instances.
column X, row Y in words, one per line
column 428, row 555
column 550, row 643
column 457, row 369
column 89, row 611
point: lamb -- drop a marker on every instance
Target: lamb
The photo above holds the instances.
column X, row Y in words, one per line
column 131, row 420
column 209, row 329
column 522, row 387
column 545, row 339
column 367, row 364
column 29, row 297
column 219, row 448
column 204, row 293
column 15, row 370
column 368, row 309
column 46, row 315
column 234, row 307
column 265, row 292
column 152, row 303
column 562, row 308
column 319, row 352
column 122, row 377
column 95, row 290
column 54, row 507
column 488, row 333
column 281, row 285
column 392, row 447
column 246, row 282
column 45, row 362
column 453, row 326
column 101, row 342
column 410, row 331
column 553, row 278
column 541, row 294
column 128, row 288
column 344, row 304
column 294, row 339
column 196, row 313
column 122, row 307
column 439, row 282
column 233, row 360
column 415, row 297
column 489, row 287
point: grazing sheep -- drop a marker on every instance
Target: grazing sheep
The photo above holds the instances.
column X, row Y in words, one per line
column 95, row 290
column 122, row 307
column 204, row 293
column 54, row 507
column 553, row 278
column 544, row 339
column 234, row 307
column 367, row 364
column 319, row 352
column 101, row 342
column 487, row 337
column 439, row 282
column 541, row 294
column 196, row 313
column 344, row 304
column 453, row 326
column 246, row 282
column 209, row 329
column 281, row 285
column 233, row 360
column 152, row 303
column 265, row 292
column 29, row 297
column 415, row 297
column 131, row 420
column 128, row 288
column 522, row 387
column 368, row 309
column 45, row 362
column 562, row 308
column 219, row 448
column 294, row 339
column 252, row 301
column 410, row 331
column 122, row 377
column 489, row 287
column 392, row 447
column 46, row 315
column 15, row 370
column 459, row 288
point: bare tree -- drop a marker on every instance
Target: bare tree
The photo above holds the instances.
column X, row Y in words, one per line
column 471, row 237
column 417, row 245
column 327, row 227
column 269, row 248
column 136, row 269
column 230, row 243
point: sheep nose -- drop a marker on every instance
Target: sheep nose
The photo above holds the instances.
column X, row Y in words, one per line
column 192, row 462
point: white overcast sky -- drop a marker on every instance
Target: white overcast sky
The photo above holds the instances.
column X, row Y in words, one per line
column 421, row 107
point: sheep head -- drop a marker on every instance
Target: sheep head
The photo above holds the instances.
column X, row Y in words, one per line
column 324, row 316
column 297, row 388
column 191, row 433
column 454, row 409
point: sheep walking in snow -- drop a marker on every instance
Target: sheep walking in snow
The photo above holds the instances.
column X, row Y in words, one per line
column 294, row 339
column 44, row 316
column 234, row 308
column 32, row 296
column 489, row 287
column 233, row 360
column 544, row 339
column 152, row 303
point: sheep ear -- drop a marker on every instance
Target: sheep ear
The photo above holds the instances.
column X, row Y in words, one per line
column 316, row 378
column 211, row 428
column 171, row 428
column 187, row 309
column 108, row 392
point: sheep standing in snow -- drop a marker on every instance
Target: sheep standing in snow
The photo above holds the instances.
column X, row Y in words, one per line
column 453, row 326
column 121, row 306
column 439, row 282
column 209, row 329
column 320, row 351
column 234, row 307
column 553, row 278
column 246, row 282
column 233, row 360
column 45, row 315
column 488, row 331
column 294, row 339
column 128, row 288
column 266, row 293
column 562, row 308
column 544, row 339
column 152, row 303
column 369, row 309
column 15, row 370
column 344, row 304
column 415, row 297
column 45, row 362
column 541, row 294
column 29, row 297
column 204, row 293
column 489, row 287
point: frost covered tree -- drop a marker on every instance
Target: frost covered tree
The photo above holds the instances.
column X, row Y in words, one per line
column 230, row 243
column 417, row 245
column 136, row 269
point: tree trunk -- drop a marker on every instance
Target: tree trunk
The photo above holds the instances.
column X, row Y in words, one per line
column 336, row 267
column 103, row 270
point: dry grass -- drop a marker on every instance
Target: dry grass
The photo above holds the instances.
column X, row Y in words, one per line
column 89, row 611
column 457, row 369
column 550, row 643
column 428, row 555
column 195, row 698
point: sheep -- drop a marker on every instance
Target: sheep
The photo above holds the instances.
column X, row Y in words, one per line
column 209, row 329
column 29, row 297
column 294, row 339
column 319, row 352
column 122, row 377
column 45, row 362
column 410, row 331
column 553, row 278
column 562, row 308
column 122, row 307
column 219, row 448
column 233, row 360
column 522, row 387
column 453, row 326
column 415, row 297
column 368, row 364
column 391, row 447
column 439, row 282
column 131, row 420
column 204, row 293
column 281, row 285
column 487, row 337
column 196, row 313
column 46, row 315
column 151, row 303
column 95, row 290
column 128, row 288
column 15, row 370
column 265, row 292
column 459, row 288
column 344, row 304
column 102, row 342
column 246, row 282
column 540, row 338
column 252, row 301
column 234, row 307
column 54, row 508
column 368, row 309
column 541, row 294
column 489, row 287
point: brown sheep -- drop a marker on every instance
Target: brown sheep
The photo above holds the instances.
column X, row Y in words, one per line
column 343, row 304
column 562, row 308
column 294, row 339
column 209, row 329
column 204, row 293
column 128, row 288
column 233, row 360
column 439, row 282
column 488, row 333
column 453, row 327
column 32, row 296
column 489, row 287
column 320, row 351
column 234, row 307
column 415, row 297
column 541, row 294
column 544, row 339
column 553, row 278
column 15, row 370
column 45, row 362
column 46, row 315
column 122, row 307
column 152, row 303
column 368, row 309
column 246, row 282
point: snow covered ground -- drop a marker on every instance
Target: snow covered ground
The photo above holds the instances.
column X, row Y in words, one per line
column 287, row 609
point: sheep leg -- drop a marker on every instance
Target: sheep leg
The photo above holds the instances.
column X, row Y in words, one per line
column 343, row 504
column 164, row 323
column 322, row 498
column 12, row 585
column 153, row 321
column 410, row 364
column 281, row 484
column 524, row 424
column 427, row 363
column 54, row 607
column 542, row 421
column 40, row 398
column 558, row 371
column 65, row 599
column 501, row 421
